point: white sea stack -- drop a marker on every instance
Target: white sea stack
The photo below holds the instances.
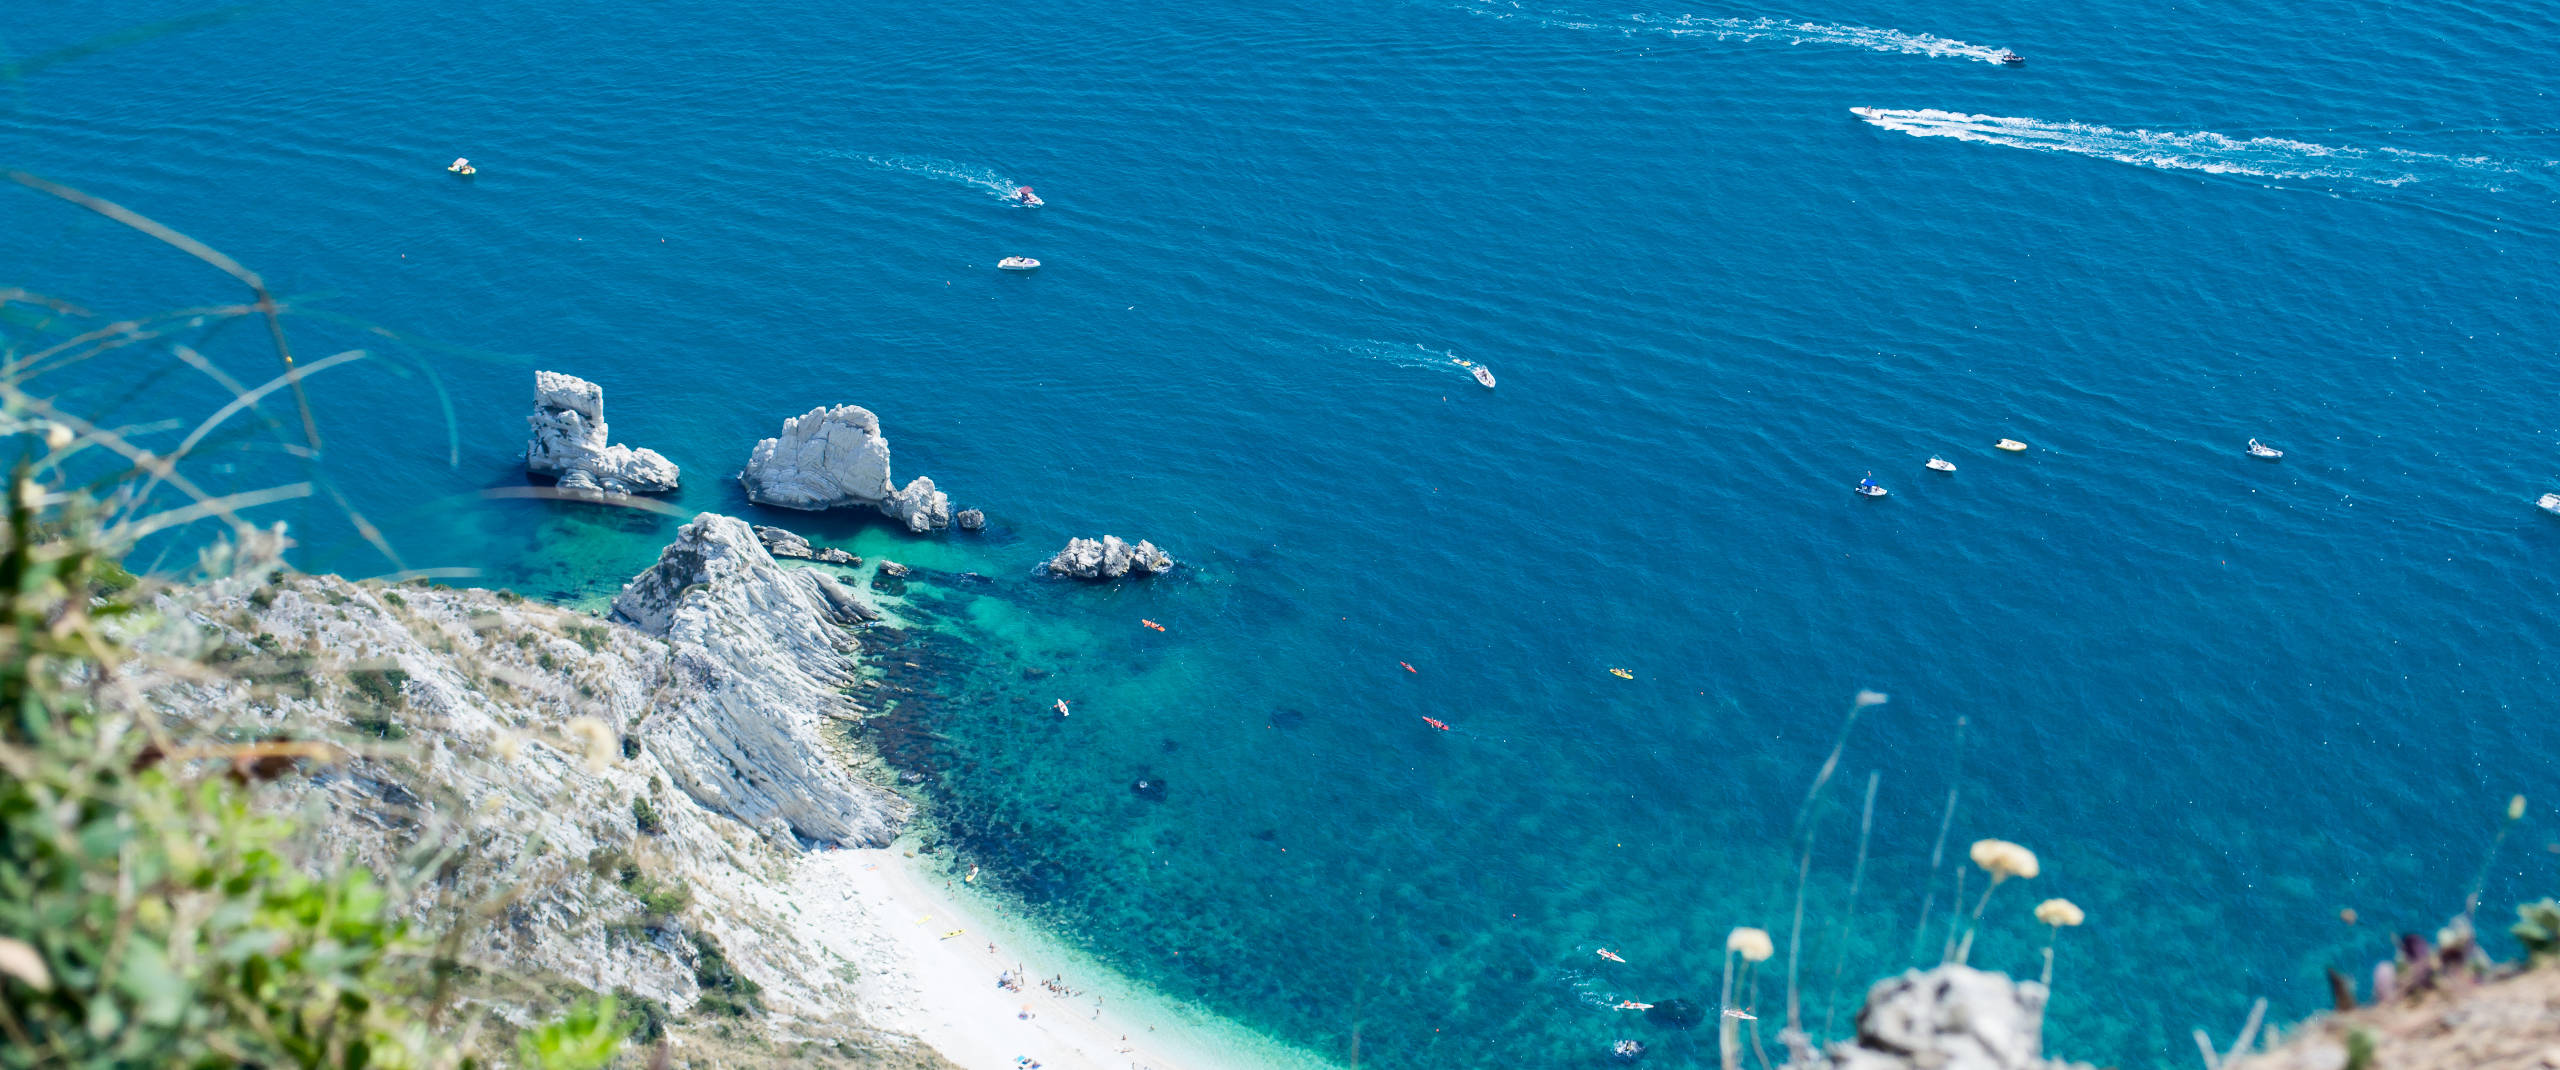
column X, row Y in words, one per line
column 761, row 653
column 569, row 443
column 835, row 458
column 1108, row 559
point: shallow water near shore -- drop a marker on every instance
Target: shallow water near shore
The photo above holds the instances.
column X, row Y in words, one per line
column 2222, row 698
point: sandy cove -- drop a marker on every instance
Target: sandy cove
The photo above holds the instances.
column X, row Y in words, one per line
column 891, row 911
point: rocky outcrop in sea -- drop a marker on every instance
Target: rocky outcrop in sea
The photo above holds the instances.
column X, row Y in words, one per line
column 569, row 442
column 793, row 545
column 835, row 458
column 1108, row 559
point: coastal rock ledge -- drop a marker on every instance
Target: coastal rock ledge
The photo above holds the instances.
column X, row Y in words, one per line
column 569, row 443
column 833, row 458
column 1948, row 1018
column 1108, row 559
column 763, row 654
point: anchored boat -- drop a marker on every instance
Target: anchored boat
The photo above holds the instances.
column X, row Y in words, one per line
column 1018, row 263
column 1941, row 464
column 2262, row 450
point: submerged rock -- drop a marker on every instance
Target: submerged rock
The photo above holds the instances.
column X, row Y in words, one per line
column 835, row 458
column 762, row 653
column 1676, row 1013
column 569, row 442
column 1108, row 559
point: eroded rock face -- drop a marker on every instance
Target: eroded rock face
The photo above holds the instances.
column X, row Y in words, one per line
column 759, row 653
column 970, row 520
column 836, row 458
column 826, row 458
column 1949, row 1018
column 569, row 443
column 1108, row 559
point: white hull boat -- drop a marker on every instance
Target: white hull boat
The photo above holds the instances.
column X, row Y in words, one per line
column 2550, row 503
column 2010, row 444
column 1941, row 464
column 1018, row 263
column 2263, row 451
column 1483, row 376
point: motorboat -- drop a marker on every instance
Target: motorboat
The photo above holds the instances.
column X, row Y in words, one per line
column 1941, row 464
column 1483, row 376
column 461, row 166
column 1018, row 263
column 2550, row 503
column 1023, row 196
column 2010, row 444
column 1868, row 488
column 2262, row 450
column 2012, row 59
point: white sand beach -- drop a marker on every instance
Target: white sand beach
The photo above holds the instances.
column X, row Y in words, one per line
column 893, row 912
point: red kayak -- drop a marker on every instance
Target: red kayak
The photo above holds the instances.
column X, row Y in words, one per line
column 1435, row 724
column 1408, row 666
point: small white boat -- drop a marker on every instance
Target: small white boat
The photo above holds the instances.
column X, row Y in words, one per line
column 1023, row 196
column 2260, row 449
column 1941, row 464
column 1867, row 487
column 2010, row 444
column 1483, row 376
column 1018, row 263
column 2550, row 503
column 461, row 166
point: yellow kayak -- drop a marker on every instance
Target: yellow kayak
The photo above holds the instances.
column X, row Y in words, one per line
column 1622, row 674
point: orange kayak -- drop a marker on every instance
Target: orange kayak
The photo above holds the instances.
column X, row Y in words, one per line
column 1151, row 624
column 1435, row 724
column 1408, row 666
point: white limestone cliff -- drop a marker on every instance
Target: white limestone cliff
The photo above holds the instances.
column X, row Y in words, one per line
column 763, row 651
column 569, row 442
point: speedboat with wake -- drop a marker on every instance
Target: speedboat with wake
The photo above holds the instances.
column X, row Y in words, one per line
column 2550, row 503
column 1483, row 376
column 1023, row 196
column 2263, row 451
column 2012, row 59
column 1018, row 263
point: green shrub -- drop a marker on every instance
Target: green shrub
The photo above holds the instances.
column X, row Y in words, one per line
column 381, row 687
column 392, row 598
column 2538, row 928
column 725, row 994
column 645, row 817
column 645, row 1019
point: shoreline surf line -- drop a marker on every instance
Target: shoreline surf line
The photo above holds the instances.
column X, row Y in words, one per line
column 865, row 905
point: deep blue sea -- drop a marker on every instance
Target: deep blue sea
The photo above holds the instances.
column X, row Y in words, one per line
column 2223, row 698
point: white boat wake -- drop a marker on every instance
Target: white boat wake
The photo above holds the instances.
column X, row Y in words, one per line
column 1408, row 355
column 982, row 178
column 1870, row 38
column 2262, row 157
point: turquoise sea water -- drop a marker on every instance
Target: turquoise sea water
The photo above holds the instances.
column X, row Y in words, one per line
column 2223, row 698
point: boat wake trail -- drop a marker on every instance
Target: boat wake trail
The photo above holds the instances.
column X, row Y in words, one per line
column 1869, row 38
column 984, row 179
column 2263, row 157
column 1408, row 355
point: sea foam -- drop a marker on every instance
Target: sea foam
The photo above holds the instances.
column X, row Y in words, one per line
column 1870, row 38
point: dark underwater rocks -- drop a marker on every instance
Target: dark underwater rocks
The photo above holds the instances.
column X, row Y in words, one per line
column 1676, row 1013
